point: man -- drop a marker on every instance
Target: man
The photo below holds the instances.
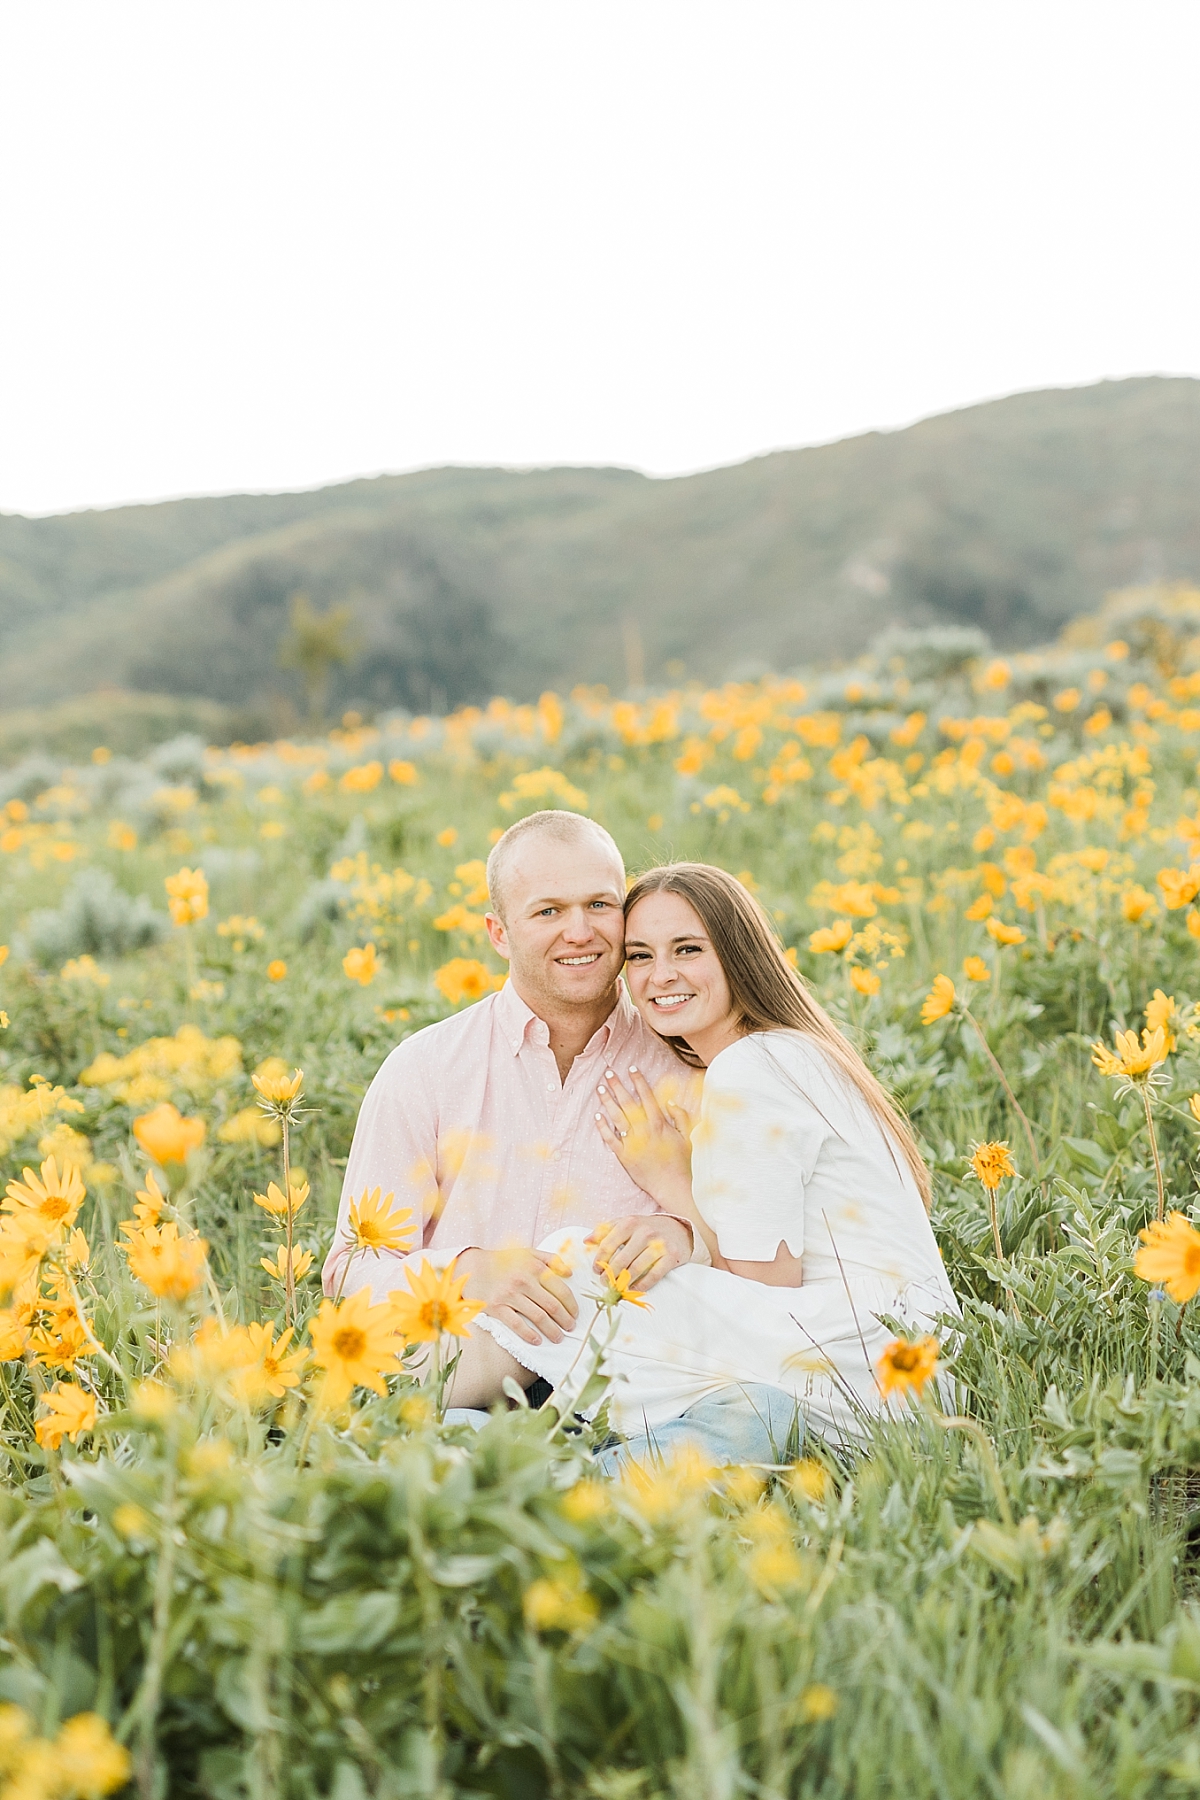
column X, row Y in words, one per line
column 484, row 1124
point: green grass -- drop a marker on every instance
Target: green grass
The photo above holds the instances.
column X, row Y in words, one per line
column 265, row 1603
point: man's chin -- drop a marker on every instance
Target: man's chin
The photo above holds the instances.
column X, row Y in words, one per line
column 584, row 986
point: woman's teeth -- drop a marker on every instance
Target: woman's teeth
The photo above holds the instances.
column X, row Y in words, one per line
column 671, row 999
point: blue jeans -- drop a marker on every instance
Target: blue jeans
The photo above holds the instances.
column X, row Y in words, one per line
column 751, row 1423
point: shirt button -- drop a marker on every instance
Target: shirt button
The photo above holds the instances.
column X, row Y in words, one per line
column 557, row 1157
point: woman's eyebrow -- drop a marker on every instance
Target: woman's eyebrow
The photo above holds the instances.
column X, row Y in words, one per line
column 689, row 937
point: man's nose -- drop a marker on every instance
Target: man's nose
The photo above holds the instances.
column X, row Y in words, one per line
column 579, row 925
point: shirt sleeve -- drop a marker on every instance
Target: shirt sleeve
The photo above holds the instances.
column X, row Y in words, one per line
column 394, row 1150
column 754, row 1152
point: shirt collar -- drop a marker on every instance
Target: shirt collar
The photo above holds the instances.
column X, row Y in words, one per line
column 516, row 1019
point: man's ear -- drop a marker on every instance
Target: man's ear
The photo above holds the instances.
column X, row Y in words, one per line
column 497, row 933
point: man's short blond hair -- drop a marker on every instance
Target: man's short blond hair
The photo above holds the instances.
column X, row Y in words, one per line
column 567, row 827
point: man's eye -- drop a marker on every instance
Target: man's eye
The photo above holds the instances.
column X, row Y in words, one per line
column 544, row 912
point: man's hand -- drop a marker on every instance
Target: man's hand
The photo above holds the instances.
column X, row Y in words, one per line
column 649, row 1245
column 523, row 1289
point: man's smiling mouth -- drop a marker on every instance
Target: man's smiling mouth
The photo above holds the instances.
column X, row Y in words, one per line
column 578, row 962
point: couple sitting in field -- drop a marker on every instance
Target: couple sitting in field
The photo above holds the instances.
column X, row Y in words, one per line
column 710, row 1131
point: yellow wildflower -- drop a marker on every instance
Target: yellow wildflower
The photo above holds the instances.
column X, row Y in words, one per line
column 273, row 1084
column 1170, row 1256
column 1161, row 1014
column 990, row 1163
column 187, row 894
column 1001, row 933
column 277, row 1267
column 71, row 1412
column 1136, row 902
column 435, row 1305
column 270, row 1368
column 939, row 1001
column 166, row 1135
column 562, row 1603
column 276, row 969
column 278, row 1204
column 170, row 1266
column 907, row 1366
column 1179, row 887
column 361, row 964
column 818, row 1703
column 975, row 969
column 619, row 1289
column 831, row 938
column 864, row 981
column 356, row 1345
column 464, row 979
column 375, row 1226
column 53, row 1201
column 1132, row 1061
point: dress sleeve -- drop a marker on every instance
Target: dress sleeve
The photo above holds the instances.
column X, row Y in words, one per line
column 754, row 1151
column 394, row 1150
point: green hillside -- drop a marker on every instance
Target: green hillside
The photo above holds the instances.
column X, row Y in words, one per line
column 1015, row 516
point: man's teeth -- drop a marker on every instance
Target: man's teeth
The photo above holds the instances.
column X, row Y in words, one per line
column 671, row 999
column 573, row 962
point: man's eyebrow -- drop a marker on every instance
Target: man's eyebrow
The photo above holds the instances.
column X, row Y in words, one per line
column 559, row 900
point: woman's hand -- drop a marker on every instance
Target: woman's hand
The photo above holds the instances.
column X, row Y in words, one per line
column 651, row 1142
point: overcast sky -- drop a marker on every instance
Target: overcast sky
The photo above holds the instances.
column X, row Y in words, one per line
column 260, row 245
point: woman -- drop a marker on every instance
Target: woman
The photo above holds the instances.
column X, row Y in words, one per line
column 804, row 1181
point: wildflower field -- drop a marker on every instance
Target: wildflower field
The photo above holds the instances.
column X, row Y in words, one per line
column 240, row 1555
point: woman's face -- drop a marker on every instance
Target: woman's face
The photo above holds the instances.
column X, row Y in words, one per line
column 675, row 979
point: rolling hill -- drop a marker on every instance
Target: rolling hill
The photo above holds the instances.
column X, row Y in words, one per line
column 1015, row 516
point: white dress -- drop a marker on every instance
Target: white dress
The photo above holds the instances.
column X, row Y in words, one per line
column 785, row 1151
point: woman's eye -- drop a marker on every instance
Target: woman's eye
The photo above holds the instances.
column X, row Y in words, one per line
column 636, row 956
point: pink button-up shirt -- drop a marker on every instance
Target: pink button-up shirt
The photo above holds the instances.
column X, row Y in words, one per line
column 468, row 1124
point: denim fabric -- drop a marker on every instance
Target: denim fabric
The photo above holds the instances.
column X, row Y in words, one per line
column 751, row 1423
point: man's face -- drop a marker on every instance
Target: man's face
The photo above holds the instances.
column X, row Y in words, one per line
column 563, row 933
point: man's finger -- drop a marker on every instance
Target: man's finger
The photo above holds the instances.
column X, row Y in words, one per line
column 645, row 1260
column 614, row 1239
column 624, row 1253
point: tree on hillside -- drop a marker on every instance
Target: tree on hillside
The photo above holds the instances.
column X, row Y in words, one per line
column 313, row 645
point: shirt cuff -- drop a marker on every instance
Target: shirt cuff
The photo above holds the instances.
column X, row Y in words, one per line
column 699, row 1247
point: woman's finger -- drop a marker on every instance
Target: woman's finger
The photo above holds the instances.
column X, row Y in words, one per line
column 649, row 1099
column 616, row 1118
column 612, row 1137
column 627, row 1100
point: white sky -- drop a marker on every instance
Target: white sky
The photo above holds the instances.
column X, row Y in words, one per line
column 250, row 244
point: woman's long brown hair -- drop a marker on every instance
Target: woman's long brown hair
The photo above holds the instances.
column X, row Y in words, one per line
column 768, row 993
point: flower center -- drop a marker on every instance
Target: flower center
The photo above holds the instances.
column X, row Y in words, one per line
column 349, row 1343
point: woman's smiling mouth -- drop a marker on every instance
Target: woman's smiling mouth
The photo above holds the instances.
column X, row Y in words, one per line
column 668, row 1002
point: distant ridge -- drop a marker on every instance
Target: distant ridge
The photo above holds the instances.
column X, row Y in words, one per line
column 1015, row 516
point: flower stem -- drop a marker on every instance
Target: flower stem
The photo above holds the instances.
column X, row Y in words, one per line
column 1004, row 1082
column 289, row 1281
column 1158, row 1174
